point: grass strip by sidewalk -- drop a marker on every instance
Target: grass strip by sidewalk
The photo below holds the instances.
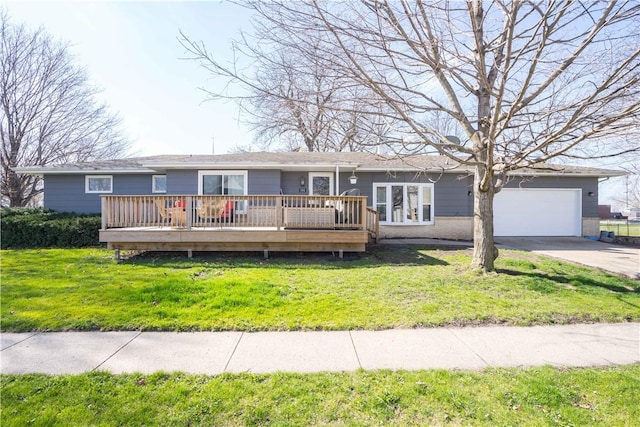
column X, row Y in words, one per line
column 538, row 396
column 392, row 287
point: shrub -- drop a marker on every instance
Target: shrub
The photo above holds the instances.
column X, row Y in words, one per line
column 41, row 228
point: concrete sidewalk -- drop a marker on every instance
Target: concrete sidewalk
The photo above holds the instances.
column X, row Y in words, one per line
column 262, row 352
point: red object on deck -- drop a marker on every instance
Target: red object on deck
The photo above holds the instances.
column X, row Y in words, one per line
column 180, row 204
column 229, row 206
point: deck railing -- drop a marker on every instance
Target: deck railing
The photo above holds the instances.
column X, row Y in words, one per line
column 373, row 223
column 279, row 211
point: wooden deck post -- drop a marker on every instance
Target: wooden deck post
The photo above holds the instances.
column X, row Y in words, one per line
column 189, row 212
column 103, row 213
column 279, row 211
column 363, row 213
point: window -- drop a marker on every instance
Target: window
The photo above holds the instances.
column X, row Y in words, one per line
column 98, row 184
column 404, row 203
column 222, row 183
column 320, row 184
column 159, row 183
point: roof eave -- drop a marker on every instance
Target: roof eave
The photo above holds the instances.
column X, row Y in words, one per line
column 66, row 171
column 603, row 174
column 245, row 165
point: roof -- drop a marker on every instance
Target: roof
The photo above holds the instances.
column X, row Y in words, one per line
column 296, row 161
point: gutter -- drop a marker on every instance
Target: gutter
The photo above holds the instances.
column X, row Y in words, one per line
column 240, row 165
column 43, row 171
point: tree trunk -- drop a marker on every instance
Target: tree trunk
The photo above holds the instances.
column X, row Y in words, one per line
column 484, row 250
column 15, row 194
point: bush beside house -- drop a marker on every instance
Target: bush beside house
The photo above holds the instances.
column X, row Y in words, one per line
column 41, row 228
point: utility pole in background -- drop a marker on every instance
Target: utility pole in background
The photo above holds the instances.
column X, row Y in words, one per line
column 626, row 197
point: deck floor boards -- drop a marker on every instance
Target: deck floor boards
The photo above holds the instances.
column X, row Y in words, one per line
column 235, row 238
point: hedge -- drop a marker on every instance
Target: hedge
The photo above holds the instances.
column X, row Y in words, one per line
column 41, row 228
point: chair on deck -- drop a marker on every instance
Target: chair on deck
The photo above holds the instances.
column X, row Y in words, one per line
column 210, row 210
column 348, row 212
column 165, row 213
column 226, row 215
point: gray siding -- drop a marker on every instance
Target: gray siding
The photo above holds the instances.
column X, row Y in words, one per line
column 290, row 182
column 66, row 193
column 183, row 181
column 587, row 184
column 259, row 181
column 264, row 181
column 450, row 190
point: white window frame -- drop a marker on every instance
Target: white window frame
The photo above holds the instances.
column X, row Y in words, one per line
column 202, row 173
column 87, row 178
column 240, row 205
column 153, row 183
column 405, row 221
column 322, row 175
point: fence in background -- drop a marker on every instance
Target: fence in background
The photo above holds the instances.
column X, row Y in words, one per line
column 621, row 227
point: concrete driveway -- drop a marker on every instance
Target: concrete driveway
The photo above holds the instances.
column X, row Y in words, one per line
column 616, row 259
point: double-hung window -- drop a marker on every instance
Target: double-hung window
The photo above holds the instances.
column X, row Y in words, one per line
column 404, row 203
column 98, row 184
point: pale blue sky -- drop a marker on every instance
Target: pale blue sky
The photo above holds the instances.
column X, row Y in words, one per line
column 131, row 51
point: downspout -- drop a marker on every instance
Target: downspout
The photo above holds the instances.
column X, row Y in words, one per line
column 337, row 180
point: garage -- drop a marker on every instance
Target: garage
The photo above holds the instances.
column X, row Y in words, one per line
column 538, row 212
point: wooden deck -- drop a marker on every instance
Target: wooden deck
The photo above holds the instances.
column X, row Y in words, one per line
column 238, row 223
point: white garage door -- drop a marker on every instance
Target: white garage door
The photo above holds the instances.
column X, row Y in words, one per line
column 538, row 212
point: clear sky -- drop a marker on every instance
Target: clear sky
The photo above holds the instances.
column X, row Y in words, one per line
column 131, row 51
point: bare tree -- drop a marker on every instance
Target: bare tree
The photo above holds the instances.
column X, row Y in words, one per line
column 525, row 82
column 291, row 105
column 628, row 196
column 48, row 112
column 290, row 98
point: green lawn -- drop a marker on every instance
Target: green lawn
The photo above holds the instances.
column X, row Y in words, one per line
column 621, row 228
column 84, row 289
column 494, row 397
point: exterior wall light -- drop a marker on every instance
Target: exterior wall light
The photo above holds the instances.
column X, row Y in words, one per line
column 302, row 181
column 353, row 179
column 591, row 194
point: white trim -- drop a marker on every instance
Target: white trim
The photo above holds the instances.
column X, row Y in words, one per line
column 153, row 183
column 248, row 165
column 320, row 174
column 151, row 167
column 86, row 184
column 245, row 173
column 405, row 221
column 42, row 171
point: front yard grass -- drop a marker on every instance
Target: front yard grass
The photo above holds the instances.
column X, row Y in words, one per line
column 389, row 287
column 538, row 396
